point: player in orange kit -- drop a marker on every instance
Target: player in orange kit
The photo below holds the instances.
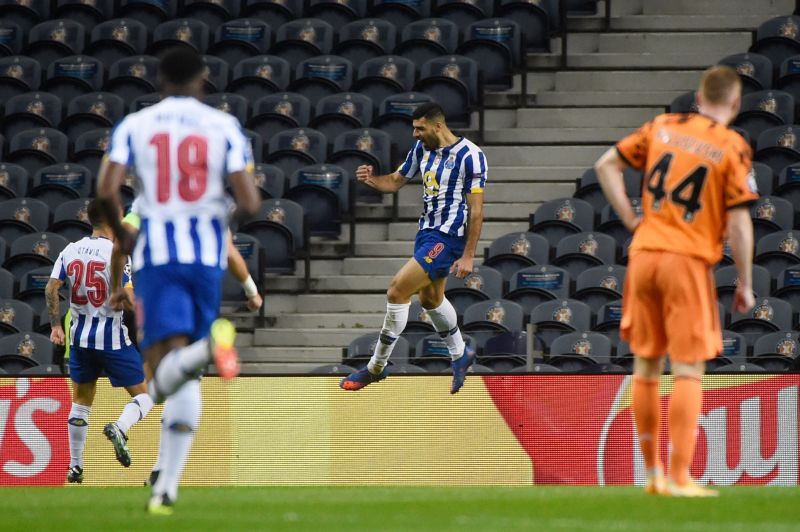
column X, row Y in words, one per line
column 698, row 186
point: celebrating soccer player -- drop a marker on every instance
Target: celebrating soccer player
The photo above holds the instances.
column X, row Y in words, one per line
column 453, row 173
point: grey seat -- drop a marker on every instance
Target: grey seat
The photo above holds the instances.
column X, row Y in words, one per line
column 149, row 13
column 778, row 147
column 685, row 103
column 217, row 73
column 279, row 229
column 560, row 218
column 295, row 148
column 770, row 314
column 776, row 39
column 755, row 70
column 485, row 319
column 600, row 285
column 31, row 289
column 538, row 19
column 495, row 44
column 400, row 13
column 778, row 251
column 342, row 112
column 788, row 286
column 554, row 318
column 132, row 77
column 788, row 183
column 18, row 75
column 13, row 181
column 212, row 13
column 22, row 216
column 576, row 253
column 241, row 39
column 73, row 76
column 54, row 39
column 188, row 32
column 257, row 76
column 33, row 251
column 303, row 39
column 90, row 148
column 427, row 38
column 279, row 112
column 514, row 251
column 95, row 110
column 30, row 344
column 60, row 183
column 482, row 284
column 31, row 110
column 70, row 220
column 337, row 13
column 452, row 81
column 250, row 250
column 385, row 76
column 233, row 104
column 765, row 109
column 536, row 284
column 365, row 39
column 362, row 146
column 273, row 12
column 15, row 316
column 321, row 76
column 726, row 279
column 6, row 282
column 116, row 39
column 777, row 351
column 323, row 190
column 591, row 346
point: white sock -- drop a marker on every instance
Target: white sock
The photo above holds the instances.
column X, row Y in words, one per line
column 393, row 324
column 177, row 367
column 181, row 416
column 445, row 321
column 78, row 425
column 160, row 456
column 135, row 411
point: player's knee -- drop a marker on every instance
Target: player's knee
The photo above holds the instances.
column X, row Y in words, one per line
column 394, row 295
column 430, row 301
column 648, row 368
column 682, row 369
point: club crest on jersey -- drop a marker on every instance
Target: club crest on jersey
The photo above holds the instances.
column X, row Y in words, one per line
column 588, row 246
column 7, row 315
column 788, row 29
column 41, row 144
column 42, row 247
column 563, row 314
column 496, row 314
column 566, row 212
column 22, row 214
column 450, row 163
column 786, row 347
column 389, row 70
column 276, row 215
column 766, row 211
column 120, row 33
column 26, row 347
column 36, row 107
column 347, row 107
column 521, row 246
column 789, row 245
column 301, row 142
column 451, row 70
column 763, row 312
column 768, row 105
column 610, row 283
column 787, row 140
column 474, row 282
column 582, row 347
column 370, row 33
column 138, row 70
column 183, row 33
column 99, row 109
column 746, row 68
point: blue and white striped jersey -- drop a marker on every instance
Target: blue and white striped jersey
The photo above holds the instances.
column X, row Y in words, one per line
column 181, row 150
column 448, row 175
column 85, row 266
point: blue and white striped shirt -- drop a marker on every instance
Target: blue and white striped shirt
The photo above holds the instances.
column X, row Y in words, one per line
column 181, row 151
column 85, row 266
column 448, row 175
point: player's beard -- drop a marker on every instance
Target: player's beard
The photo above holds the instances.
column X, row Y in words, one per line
column 430, row 143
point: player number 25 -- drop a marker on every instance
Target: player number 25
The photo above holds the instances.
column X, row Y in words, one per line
column 686, row 193
column 96, row 288
column 192, row 165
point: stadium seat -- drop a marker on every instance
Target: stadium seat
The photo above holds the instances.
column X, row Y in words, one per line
column 96, row 110
column 33, row 251
column 788, row 286
column 145, row 101
column 18, row 74
column 216, row 74
column 685, row 103
column 31, row 289
column 755, row 71
column 250, row 249
column 46, row 370
column 394, row 117
column 73, row 76
column 575, row 351
column 554, row 318
column 323, row 190
column 589, row 187
column 180, row 32
column 273, row 12
column 771, row 214
column 385, row 76
column 12, row 38
column 132, row 77
column 769, row 315
column 22, row 216
column 452, row 81
column 765, row 109
column 3, row 250
column 303, row 39
column 255, row 77
column 608, row 320
column 425, row 39
column 778, row 251
column 7, row 281
column 777, row 148
column 233, row 104
column 335, row 12
column 13, row 181
column 482, row 284
column 149, row 13
column 788, row 183
column 212, row 13
column 278, row 227
column 86, row 13
column 509, row 253
column 321, row 76
column 777, row 39
column 342, row 112
column 59, row 183
column 15, row 364
column 400, row 13
column 33, row 149
column 559, row 218
column 727, row 277
column 257, row 144
column 576, row 253
column 15, row 317
column 418, row 322
column 117, row 39
column 365, row 39
column 90, row 148
column 777, row 351
column 270, row 181
column 464, row 13
column 362, row 146
column 31, row 110
column 495, row 44
column 292, row 149
column 487, row 318
column 599, row 285
column 611, row 225
column 734, row 350
column 241, row 39
column 360, row 350
column 28, row 344
column 765, row 179
column 54, row 39
column 71, row 220
column 26, row 14
column 536, row 17
column 279, row 112
column 505, row 352
column 535, row 285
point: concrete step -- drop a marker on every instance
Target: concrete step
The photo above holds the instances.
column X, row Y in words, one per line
column 699, row 59
column 584, row 156
column 489, row 231
column 244, row 339
column 330, row 320
column 688, row 22
column 495, row 193
column 608, row 98
column 761, row 8
column 584, row 117
column 584, row 135
column 622, row 80
column 320, row 267
column 719, row 43
column 394, row 248
column 332, row 283
column 316, row 355
column 533, row 173
column 277, row 304
column 371, row 231
column 492, row 211
column 332, row 338
column 341, row 302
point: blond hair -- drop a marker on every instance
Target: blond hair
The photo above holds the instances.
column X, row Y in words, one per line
column 719, row 85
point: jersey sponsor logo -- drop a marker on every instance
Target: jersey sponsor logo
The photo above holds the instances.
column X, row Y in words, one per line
column 496, row 314
column 430, row 183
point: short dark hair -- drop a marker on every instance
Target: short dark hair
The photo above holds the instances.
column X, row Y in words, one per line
column 429, row 111
column 180, row 65
column 97, row 217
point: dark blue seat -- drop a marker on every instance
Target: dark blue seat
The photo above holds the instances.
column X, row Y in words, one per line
column 92, row 111
column 428, row 38
column 149, row 13
column 71, row 220
column 505, row 352
column 514, row 251
column 116, row 39
column 600, row 285
column 34, row 149
column 273, row 12
column 90, row 148
column 755, row 71
column 323, row 190
column 270, row 181
column 36, row 347
column 777, row 147
column 335, row 12
column 241, row 39
column 31, row 289
column 295, row 148
column 15, row 317
column 495, row 44
column 22, row 216
column 400, row 13
column 365, row 39
column 278, row 227
column 726, row 279
column 342, row 112
column 303, row 39
column 556, row 219
column 34, row 251
column 770, row 314
column 778, row 351
column 216, row 74
column 12, row 38
column 485, row 319
column 765, row 180
column 278, row 112
column 58, row 183
column 453, row 82
column 31, row 110
column 394, row 117
column 132, row 77
column 257, row 76
column 385, row 76
column 777, row 39
column 464, row 13
column 770, row 214
column 88, row 14
column 554, row 318
column 212, row 13
column 611, row 225
column 535, row 285
column 252, row 253
column 567, row 351
column 74, row 76
column 13, row 181
column 538, row 18
column 765, row 109
column 778, row 251
column 788, row 286
column 482, row 284
column 576, row 253
column 360, row 350
column 685, row 103
column 180, row 32
column 26, row 14
column 18, row 74
column 322, row 76
column 54, row 39
column 233, row 104
column 362, row 146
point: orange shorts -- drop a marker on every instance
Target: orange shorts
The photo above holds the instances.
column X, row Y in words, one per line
column 669, row 306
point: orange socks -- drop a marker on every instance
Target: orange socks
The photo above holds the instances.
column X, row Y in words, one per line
column 647, row 414
column 684, row 411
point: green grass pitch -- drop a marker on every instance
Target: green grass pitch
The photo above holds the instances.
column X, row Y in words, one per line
column 399, row 508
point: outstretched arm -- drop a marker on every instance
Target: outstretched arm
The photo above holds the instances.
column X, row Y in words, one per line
column 463, row 266
column 387, row 184
column 609, row 173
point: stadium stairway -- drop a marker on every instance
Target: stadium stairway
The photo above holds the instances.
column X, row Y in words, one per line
column 616, row 79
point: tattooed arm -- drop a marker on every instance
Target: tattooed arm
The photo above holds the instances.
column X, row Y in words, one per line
column 51, row 295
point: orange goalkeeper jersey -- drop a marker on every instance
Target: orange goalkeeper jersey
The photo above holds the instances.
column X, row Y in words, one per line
column 695, row 169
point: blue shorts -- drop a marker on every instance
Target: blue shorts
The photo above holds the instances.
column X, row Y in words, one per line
column 177, row 300
column 123, row 366
column 436, row 252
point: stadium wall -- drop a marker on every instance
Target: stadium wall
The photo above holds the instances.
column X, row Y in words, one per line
column 500, row 430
